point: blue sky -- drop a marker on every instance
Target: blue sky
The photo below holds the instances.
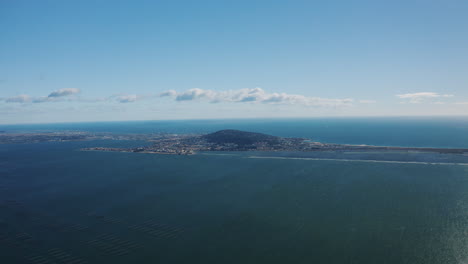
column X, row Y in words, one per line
column 64, row 61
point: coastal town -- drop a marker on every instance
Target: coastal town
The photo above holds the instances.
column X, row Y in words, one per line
column 235, row 140
column 188, row 144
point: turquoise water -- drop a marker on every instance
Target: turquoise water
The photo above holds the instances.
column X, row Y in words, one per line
column 59, row 205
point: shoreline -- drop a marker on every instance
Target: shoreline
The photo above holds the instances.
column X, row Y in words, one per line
column 362, row 160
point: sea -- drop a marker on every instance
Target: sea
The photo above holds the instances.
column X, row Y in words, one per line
column 62, row 205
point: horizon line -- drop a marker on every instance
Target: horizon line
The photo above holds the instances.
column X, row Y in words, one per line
column 239, row 118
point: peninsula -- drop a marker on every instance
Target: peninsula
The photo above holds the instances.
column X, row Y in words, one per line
column 236, row 140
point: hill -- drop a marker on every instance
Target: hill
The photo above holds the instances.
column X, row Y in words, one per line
column 241, row 138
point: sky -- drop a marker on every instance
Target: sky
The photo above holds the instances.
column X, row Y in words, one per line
column 74, row 61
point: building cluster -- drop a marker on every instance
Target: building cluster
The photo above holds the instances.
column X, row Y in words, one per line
column 13, row 138
column 187, row 145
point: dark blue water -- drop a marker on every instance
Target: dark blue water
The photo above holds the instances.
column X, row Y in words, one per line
column 59, row 205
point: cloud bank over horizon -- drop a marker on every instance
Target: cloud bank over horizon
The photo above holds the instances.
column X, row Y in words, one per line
column 254, row 95
column 245, row 95
column 68, row 104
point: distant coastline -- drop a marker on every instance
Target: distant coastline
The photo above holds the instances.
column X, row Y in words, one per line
column 236, row 140
column 223, row 140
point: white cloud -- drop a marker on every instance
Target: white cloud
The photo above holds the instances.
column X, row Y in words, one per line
column 168, row 93
column 257, row 95
column 196, row 93
column 367, row 101
column 128, row 98
column 64, row 92
column 416, row 98
column 42, row 99
column 461, row 103
column 22, row 98
column 55, row 96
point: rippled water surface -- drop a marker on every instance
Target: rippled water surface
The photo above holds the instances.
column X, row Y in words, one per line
column 61, row 205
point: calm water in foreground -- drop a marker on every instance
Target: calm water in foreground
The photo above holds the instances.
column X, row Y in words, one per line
column 61, row 205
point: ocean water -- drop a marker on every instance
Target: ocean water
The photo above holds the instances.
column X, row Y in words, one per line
column 62, row 205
